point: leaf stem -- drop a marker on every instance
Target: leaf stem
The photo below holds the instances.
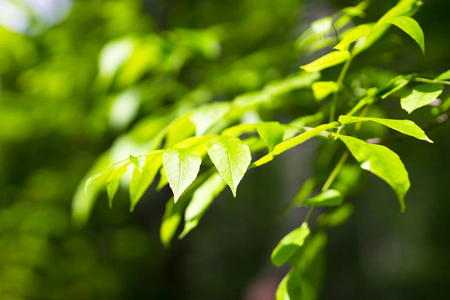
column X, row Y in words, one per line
column 339, row 83
column 425, row 80
column 328, row 183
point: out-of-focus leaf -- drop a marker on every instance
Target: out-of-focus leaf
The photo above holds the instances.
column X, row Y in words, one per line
column 286, row 145
column 112, row 184
column 444, row 76
column 353, row 35
column 231, row 158
column 179, row 130
column 305, row 191
column 336, row 217
column 205, row 116
column 290, row 288
column 404, row 126
column 411, row 27
column 272, row 133
column 321, row 89
column 382, row 162
column 137, row 161
column 326, row 61
column 420, row 95
column 140, row 180
column 181, row 169
column 326, row 198
column 395, row 84
column 289, row 245
column 201, row 200
column 239, row 129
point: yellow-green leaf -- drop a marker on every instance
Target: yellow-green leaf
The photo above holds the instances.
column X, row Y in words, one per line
column 289, row 245
column 231, row 158
column 321, row 89
column 411, row 27
column 326, row 61
column 353, row 35
column 382, row 162
column 404, row 126
column 420, row 95
column 181, row 169
column 326, row 198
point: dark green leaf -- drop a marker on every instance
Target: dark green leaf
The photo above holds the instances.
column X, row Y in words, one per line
column 335, row 217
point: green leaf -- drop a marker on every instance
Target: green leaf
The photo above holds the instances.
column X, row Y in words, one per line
column 420, row 95
column 336, row 217
column 201, row 200
column 290, row 288
column 205, row 116
column 411, row 27
column 321, row 89
column 286, row 145
column 395, row 84
column 181, row 169
column 231, row 158
column 140, row 180
column 305, row 191
column 444, row 76
column 137, row 161
column 326, row 198
column 404, row 126
column 112, row 184
column 353, row 35
column 326, row 61
column 382, row 162
column 179, row 130
column 289, row 245
column 239, row 129
column 271, row 132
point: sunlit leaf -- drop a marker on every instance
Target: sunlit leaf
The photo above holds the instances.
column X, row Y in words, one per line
column 404, row 126
column 382, row 162
column 289, row 244
column 181, row 169
column 444, row 76
column 420, row 95
column 271, row 132
column 395, row 84
column 137, row 161
column 326, row 198
column 140, row 180
column 112, row 184
column 205, row 116
column 239, row 129
column 201, row 200
column 291, row 143
column 321, row 89
column 231, row 158
column 179, row 130
column 290, row 287
column 353, row 35
column 326, row 61
column 411, row 27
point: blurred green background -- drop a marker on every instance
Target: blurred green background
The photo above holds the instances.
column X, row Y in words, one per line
column 76, row 75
